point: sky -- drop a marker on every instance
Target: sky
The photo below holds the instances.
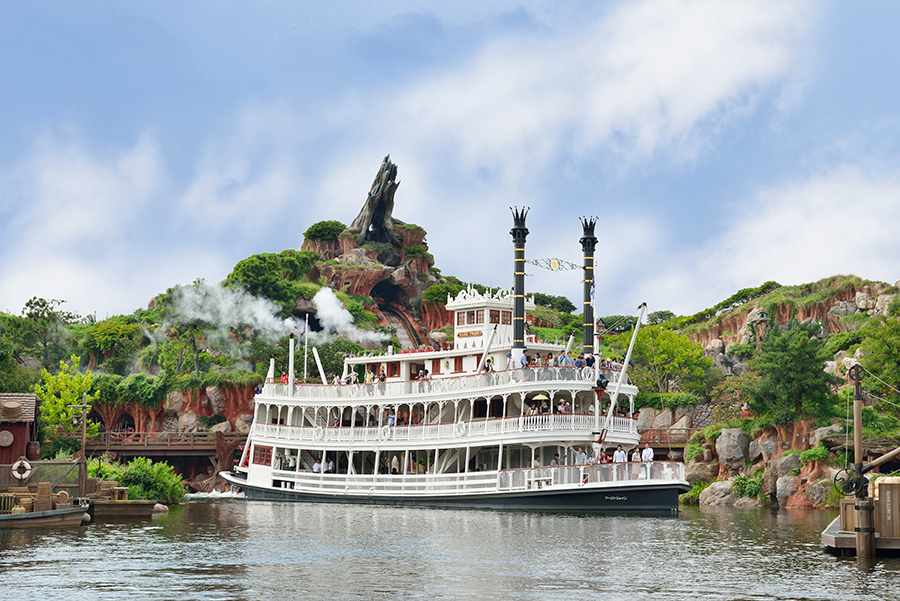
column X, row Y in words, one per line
column 719, row 144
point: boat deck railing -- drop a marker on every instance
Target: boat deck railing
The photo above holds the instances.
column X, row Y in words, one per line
column 462, row 430
column 487, row 482
column 560, row 376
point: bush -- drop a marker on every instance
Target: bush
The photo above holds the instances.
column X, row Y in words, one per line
column 669, row 400
column 324, row 230
column 692, row 497
column 418, row 252
column 692, row 450
column 741, row 352
column 818, row 453
column 743, row 486
column 143, row 478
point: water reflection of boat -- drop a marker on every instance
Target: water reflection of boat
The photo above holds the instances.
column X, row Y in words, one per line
column 441, row 429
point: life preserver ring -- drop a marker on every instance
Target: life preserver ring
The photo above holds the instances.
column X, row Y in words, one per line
column 318, row 433
column 587, row 373
column 437, row 386
column 21, row 469
column 353, row 389
column 385, row 432
column 460, row 428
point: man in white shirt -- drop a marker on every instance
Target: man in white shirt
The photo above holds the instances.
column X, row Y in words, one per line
column 647, row 458
column 619, row 457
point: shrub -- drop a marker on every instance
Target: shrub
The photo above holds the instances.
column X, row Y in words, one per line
column 692, row 497
column 324, row 230
column 818, row 453
column 692, row 450
column 152, row 480
column 418, row 252
column 741, row 352
column 743, row 486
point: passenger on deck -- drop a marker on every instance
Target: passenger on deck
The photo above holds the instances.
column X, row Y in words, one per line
column 580, row 456
column 551, row 361
column 284, row 378
column 619, row 456
column 487, row 367
column 317, row 467
column 555, row 460
column 391, row 418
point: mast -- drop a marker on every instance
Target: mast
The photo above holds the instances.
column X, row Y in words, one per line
column 519, row 232
column 588, row 244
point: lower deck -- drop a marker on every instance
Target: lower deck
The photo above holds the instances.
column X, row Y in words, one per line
column 642, row 486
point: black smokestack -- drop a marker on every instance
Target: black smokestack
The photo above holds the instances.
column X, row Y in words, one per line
column 519, row 232
column 588, row 244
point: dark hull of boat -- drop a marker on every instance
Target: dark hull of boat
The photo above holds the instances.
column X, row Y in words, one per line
column 657, row 498
column 68, row 517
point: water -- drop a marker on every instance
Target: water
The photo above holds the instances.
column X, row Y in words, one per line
column 234, row 549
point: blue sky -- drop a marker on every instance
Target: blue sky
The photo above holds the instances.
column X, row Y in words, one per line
column 146, row 144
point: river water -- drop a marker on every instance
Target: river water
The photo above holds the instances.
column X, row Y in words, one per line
column 235, row 549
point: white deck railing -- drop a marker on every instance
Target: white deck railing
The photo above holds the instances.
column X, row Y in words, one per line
column 473, row 429
column 480, row 482
column 439, row 385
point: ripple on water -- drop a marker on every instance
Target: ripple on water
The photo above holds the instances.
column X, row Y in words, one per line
column 234, row 549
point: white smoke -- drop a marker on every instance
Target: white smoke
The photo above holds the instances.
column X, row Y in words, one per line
column 222, row 311
column 335, row 319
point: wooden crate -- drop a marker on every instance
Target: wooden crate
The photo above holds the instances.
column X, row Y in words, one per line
column 888, row 510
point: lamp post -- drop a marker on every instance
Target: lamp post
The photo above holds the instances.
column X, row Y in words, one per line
column 82, row 462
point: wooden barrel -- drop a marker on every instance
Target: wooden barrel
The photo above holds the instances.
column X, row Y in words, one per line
column 33, row 451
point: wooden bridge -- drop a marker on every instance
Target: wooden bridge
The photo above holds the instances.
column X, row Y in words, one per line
column 158, row 444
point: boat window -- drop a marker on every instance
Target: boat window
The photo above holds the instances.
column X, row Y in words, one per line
column 470, row 317
column 435, row 367
column 479, row 316
column 393, row 369
column 507, row 318
column 460, row 318
column 495, row 316
column 457, row 364
column 262, row 455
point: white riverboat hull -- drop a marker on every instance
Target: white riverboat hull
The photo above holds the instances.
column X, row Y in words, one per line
column 533, row 491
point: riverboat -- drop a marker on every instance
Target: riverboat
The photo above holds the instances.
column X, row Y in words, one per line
column 440, row 429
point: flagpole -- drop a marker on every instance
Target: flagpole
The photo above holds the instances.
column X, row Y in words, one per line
column 305, row 347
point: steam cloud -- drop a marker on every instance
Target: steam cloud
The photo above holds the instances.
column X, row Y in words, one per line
column 224, row 310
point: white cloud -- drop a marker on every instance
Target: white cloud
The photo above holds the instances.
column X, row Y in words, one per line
column 838, row 221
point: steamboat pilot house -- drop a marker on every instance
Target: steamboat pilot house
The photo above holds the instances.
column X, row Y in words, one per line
column 440, row 429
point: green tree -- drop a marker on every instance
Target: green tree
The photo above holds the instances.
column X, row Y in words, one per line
column 619, row 323
column 881, row 353
column 324, row 230
column 13, row 377
column 43, row 329
column 56, row 392
column 793, row 384
column 665, row 361
column 658, row 317
column 113, row 342
column 274, row 276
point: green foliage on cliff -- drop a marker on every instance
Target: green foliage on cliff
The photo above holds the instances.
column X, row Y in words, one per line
column 14, row 377
column 417, row 251
column 324, row 230
column 737, row 299
column 743, row 486
column 792, row 381
column 881, row 356
column 668, row 400
column 280, row 277
column 409, row 227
